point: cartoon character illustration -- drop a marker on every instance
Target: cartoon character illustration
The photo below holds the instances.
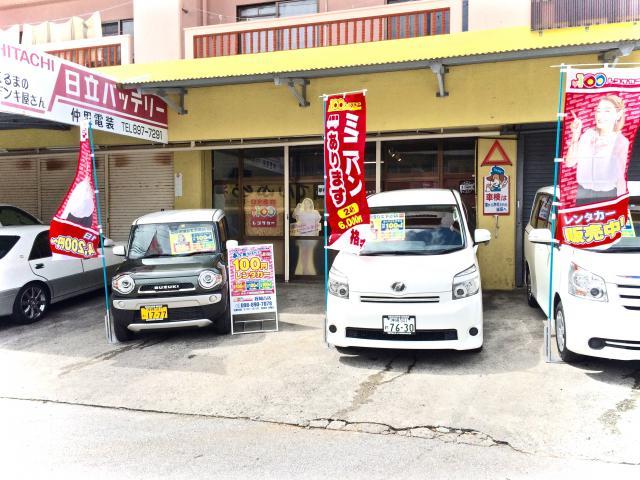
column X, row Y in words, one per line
column 80, row 205
column 497, row 180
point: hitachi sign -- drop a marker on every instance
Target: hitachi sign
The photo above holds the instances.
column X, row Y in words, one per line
column 32, row 58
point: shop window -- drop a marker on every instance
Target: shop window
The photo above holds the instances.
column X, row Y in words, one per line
column 226, row 166
column 459, row 156
column 226, row 196
column 263, row 162
column 410, row 159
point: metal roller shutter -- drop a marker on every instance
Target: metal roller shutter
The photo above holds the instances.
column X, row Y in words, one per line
column 139, row 183
column 56, row 175
column 19, row 183
column 538, row 151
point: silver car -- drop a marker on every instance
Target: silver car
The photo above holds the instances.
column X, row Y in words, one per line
column 31, row 278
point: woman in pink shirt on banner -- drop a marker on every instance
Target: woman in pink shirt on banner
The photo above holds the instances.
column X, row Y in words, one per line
column 600, row 153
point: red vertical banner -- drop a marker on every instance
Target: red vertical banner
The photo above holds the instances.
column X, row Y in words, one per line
column 602, row 112
column 74, row 228
column 344, row 144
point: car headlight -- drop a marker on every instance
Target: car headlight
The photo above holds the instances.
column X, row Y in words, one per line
column 466, row 283
column 338, row 284
column 123, row 284
column 209, row 279
column 584, row 284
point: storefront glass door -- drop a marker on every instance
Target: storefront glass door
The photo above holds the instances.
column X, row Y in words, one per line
column 249, row 185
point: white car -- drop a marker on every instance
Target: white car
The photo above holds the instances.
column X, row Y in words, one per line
column 416, row 283
column 596, row 292
column 31, row 279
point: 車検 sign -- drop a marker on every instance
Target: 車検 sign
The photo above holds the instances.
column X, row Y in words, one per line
column 495, row 192
column 36, row 84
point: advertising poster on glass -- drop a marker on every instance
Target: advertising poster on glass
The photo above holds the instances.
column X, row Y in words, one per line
column 344, row 151
column 264, row 214
column 74, row 228
column 601, row 115
column 252, row 289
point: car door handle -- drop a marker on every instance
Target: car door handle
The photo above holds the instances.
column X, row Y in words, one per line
column 39, row 266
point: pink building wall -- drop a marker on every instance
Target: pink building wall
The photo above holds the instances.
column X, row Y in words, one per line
column 36, row 11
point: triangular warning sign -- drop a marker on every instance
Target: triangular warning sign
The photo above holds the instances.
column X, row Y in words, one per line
column 496, row 156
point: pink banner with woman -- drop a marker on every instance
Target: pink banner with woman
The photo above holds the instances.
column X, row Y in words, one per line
column 601, row 116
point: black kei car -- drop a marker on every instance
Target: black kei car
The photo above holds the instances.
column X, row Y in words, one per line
column 174, row 275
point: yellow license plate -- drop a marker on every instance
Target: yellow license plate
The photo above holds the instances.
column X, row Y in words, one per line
column 154, row 312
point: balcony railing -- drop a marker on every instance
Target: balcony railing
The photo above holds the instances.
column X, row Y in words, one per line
column 96, row 52
column 546, row 14
column 321, row 30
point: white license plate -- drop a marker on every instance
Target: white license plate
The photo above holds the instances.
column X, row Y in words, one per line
column 399, row 324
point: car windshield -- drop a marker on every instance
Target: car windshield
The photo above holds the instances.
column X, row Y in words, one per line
column 6, row 243
column 630, row 241
column 172, row 240
column 415, row 230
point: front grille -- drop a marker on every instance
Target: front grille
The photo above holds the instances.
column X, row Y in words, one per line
column 390, row 299
column 629, row 296
column 420, row 335
column 162, row 288
column 185, row 313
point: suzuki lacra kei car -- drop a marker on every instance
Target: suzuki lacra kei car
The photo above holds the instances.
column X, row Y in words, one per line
column 174, row 275
column 415, row 284
column 596, row 292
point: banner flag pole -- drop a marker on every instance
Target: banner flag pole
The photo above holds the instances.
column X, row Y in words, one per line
column 325, row 98
column 108, row 325
column 554, row 211
column 324, row 218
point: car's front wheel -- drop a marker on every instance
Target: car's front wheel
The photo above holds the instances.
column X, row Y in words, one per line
column 222, row 324
column 561, row 336
column 31, row 303
column 121, row 331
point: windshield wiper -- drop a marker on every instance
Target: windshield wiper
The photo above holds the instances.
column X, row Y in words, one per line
column 155, row 255
column 619, row 250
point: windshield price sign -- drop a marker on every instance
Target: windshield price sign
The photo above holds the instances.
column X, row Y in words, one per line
column 36, row 84
column 252, row 282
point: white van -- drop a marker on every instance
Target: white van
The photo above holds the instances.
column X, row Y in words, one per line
column 416, row 283
column 596, row 292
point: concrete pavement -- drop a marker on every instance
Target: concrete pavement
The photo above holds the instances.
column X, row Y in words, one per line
column 505, row 398
column 50, row 440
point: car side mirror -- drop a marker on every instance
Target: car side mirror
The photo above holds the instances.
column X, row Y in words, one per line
column 231, row 244
column 541, row 236
column 120, row 250
column 107, row 242
column 481, row 235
